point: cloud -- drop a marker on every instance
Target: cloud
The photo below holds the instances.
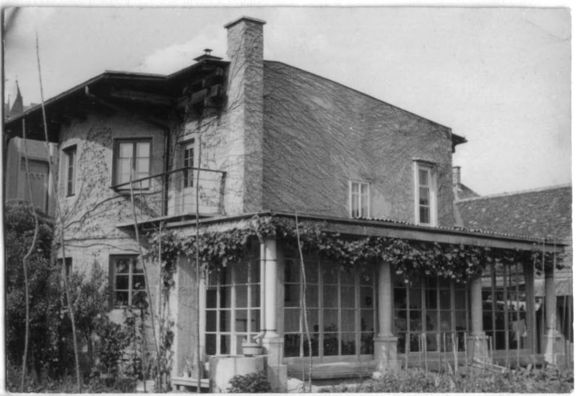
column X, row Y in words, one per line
column 175, row 57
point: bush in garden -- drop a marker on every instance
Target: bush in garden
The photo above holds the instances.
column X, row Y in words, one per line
column 474, row 380
column 250, row 383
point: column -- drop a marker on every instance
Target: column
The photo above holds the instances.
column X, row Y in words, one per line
column 551, row 336
column 272, row 342
column 530, row 307
column 477, row 340
column 385, row 343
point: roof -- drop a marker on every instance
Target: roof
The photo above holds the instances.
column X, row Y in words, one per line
column 462, row 191
column 541, row 213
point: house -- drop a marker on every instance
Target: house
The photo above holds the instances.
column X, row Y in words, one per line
column 544, row 213
column 323, row 219
column 27, row 175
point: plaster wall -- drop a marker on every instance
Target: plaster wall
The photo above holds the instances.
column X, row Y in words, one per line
column 319, row 135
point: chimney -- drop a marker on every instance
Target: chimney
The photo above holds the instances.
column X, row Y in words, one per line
column 245, row 104
column 455, row 175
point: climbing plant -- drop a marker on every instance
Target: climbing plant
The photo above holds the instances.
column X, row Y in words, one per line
column 409, row 259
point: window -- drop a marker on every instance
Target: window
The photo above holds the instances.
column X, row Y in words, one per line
column 425, row 197
column 189, row 163
column 128, row 282
column 359, row 199
column 504, row 306
column 430, row 315
column 67, row 265
column 232, row 308
column 132, row 162
column 70, row 155
column 340, row 310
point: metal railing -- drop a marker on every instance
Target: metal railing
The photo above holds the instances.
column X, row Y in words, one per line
column 174, row 193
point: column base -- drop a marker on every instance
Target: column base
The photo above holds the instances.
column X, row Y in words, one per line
column 276, row 371
column 478, row 348
column 385, row 352
column 553, row 352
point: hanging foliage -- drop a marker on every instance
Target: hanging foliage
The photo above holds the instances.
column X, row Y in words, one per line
column 409, row 259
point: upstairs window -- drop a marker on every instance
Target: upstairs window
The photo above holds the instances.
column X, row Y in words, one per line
column 425, row 197
column 70, row 155
column 188, row 162
column 132, row 162
column 359, row 199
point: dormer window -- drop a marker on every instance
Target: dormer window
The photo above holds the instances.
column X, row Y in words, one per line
column 359, row 199
column 425, row 193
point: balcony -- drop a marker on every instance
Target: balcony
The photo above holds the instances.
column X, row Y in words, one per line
column 174, row 196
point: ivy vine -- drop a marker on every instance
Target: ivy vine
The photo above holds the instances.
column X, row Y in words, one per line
column 410, row 260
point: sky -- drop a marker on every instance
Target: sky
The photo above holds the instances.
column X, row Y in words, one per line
column 500, row 77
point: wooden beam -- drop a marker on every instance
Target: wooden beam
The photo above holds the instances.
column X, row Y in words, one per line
column 141, row 97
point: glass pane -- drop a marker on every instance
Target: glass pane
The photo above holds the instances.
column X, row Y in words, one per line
column 211, row 344
column 329, row 274
column 225, row 297
column 241, row 320
column 367, row 343
column 225, row 318
column 142, row 166
column 125, row 150
column 210, row 320
column 225, row 345
column 331, row 296
column 143, row 149
column 255, row 295
column 366, row 297
column 122, row 265
column 292, row 296
column 367, row 320
column 138, row 282
column 255, row 321
column 242, row 296
column 431, row 301
column 348, row 297
column 241, row 274
column 348, row 344
column 291, row 345
column 444, row 299
column 312, row 316
column 291, row 320
column 291, row 271
column 312, row 296
column 423, row 177
column 424, row 196
column 121, row 298
column 239, row 340
column 254, row 271
column 330, row 320
column 364, row 203
column 348, row 320
column 424, row 215
column 460, row 298
column 431, row 342
column 445, row 321
column 211, row 298
column 138, row 267
column 123, row 170
column 122, row 282
column 330, row 344
column 311, row 272
column 431, row 320
column 355, row 205
column 140, row 300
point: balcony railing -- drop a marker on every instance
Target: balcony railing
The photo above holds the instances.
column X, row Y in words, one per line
column 179, row 193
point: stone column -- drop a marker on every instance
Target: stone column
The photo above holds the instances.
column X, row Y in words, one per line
column 551, row 336
column 385, row 343
column 272, row 342
column 477, row 340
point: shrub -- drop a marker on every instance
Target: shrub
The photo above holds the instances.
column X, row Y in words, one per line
column 250, row 383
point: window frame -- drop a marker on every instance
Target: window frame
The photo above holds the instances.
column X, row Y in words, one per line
column 322, row 310
column 432, row 186
column 355, row 188
column 131, row 291
column 70, row 169
column 219, row 310
column 188, row 174
column 115, row 158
